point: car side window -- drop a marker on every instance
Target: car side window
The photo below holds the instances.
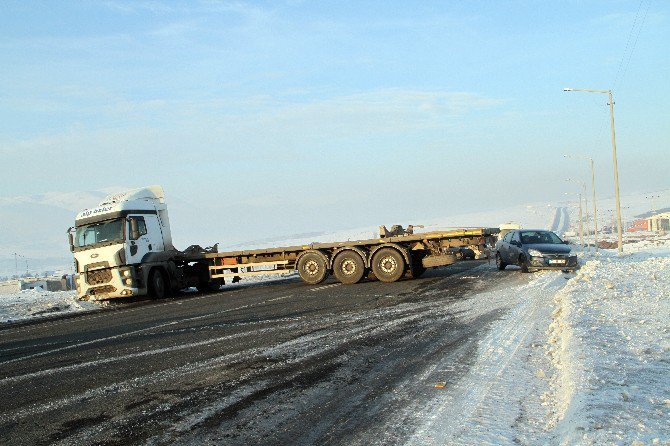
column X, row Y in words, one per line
column 515, row 237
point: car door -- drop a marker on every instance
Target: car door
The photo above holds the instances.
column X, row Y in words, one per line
column 514, row 247
column 504, row 247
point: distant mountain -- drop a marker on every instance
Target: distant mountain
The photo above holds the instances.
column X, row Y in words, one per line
column 34, row 227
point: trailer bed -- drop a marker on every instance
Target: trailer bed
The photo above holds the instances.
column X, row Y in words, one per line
column 351, row 260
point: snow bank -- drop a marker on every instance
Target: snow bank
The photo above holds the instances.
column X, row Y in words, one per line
column 30, row 304
column 610, row 345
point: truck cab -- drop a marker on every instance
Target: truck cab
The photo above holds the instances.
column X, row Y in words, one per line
column 116, row 244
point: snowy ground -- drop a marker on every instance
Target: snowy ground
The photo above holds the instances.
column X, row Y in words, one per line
column 610, row 347
column 32, row 304
column 581, row 358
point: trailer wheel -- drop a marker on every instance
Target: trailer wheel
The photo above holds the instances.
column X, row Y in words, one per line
column 157, row 284
column 348, row 267
column 388, row 265
column 313, row 268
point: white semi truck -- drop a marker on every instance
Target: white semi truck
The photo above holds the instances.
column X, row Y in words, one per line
column 123, row 247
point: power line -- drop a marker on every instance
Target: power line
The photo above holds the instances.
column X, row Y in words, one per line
column 627, row 55
column 628, row 41
column 637, row 36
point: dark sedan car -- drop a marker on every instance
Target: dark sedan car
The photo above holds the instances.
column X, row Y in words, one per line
column 534, row 249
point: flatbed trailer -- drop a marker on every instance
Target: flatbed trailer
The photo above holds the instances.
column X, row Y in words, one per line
column 123, row 247
column 388, row 258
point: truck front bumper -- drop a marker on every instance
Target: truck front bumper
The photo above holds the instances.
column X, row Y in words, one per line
column 108, row 283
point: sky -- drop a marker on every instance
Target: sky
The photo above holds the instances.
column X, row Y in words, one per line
column 281, row 117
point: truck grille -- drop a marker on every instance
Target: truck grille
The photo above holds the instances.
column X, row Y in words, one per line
column 98, row 276
column 101, row 290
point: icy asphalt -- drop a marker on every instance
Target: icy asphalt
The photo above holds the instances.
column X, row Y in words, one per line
column 274, row 364
column 456, row 357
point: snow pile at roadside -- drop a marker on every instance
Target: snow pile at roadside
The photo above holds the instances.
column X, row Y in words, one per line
column 31, row 304
column 610, row 344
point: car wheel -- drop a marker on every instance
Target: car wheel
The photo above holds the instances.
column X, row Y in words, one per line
column 523, row 264
column 499, row 263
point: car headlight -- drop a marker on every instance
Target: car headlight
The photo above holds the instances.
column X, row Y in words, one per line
column 534, row 253
column 126, row 273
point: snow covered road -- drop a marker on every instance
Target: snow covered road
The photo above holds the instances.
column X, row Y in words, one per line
column 464, row 355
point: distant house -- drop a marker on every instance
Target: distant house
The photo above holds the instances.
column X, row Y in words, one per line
column 46, row 284
column 639, row 225
column 659, row 222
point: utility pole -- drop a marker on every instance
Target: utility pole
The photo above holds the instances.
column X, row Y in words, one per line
column 595, row 206
column 588, row 225
column 614, row 161
column 581, row 223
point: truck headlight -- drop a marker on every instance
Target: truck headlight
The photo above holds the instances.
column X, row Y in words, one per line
column 128, row 282
column 126, row 273
column 534, row 253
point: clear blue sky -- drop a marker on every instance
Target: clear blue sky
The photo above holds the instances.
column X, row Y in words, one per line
column 324, row 115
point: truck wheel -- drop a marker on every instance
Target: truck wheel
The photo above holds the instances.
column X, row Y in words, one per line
column 348, row 267
column 388, row 265
column 313, row 268
column 499, row 263
column 157, row 284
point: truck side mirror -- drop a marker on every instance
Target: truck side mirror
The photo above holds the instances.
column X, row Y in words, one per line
column 70, row 238
column 134, row 229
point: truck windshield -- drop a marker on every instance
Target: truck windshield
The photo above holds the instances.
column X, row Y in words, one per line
column 105, row 231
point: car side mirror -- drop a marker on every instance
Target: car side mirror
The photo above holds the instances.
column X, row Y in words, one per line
column 516, row 243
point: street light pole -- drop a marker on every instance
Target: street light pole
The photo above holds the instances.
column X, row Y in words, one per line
column 595, row 206
column 586, row 209
column 581, row 224
column 614, row 161
column 588, row 225
column 616, row 175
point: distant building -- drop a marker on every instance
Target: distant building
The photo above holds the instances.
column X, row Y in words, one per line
column 46, row 284
column 639, row 225
column 659, row 222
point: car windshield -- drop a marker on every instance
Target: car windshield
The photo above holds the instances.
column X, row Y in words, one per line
column 544, row 237
column 105, row 231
